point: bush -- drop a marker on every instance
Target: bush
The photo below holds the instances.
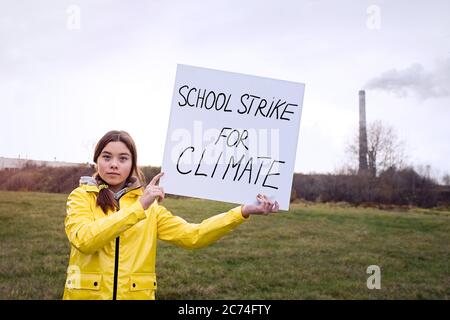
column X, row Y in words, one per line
column 398, row 187
column 44, row 179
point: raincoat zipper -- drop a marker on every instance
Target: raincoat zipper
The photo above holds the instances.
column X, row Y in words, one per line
column 117, row 196
column 116, row 261
column 116, row 268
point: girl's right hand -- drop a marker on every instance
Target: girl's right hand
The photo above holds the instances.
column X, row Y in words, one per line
column 152, row 192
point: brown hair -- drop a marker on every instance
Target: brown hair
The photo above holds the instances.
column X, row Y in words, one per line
column 105, row 197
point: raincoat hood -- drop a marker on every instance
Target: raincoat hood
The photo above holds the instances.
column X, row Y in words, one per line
column 89, row 181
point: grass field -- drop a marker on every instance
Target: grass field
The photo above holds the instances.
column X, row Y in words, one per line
column 310, row 252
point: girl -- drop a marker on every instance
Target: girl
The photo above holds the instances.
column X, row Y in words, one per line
column 113, row 224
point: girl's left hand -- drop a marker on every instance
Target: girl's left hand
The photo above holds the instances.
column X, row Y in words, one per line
column 264, row 207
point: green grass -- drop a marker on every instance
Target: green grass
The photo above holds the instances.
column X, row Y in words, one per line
column 311, row 252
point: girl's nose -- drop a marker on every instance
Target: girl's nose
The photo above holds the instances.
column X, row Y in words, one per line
column 114, row 164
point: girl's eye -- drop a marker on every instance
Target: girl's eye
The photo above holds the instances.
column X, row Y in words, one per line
column 106, row 157
column 123, row 158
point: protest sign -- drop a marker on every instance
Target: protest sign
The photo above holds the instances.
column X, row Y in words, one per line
column 231, row 136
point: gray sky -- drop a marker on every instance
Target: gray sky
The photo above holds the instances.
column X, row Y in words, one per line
column 72, row 70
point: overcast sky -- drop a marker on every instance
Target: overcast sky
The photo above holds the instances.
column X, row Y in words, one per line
column 72, row 70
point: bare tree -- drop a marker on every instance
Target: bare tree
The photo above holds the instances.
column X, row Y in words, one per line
column 446, row 179
column 384, row 149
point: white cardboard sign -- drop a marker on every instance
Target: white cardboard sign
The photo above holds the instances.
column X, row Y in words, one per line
column 231, row 136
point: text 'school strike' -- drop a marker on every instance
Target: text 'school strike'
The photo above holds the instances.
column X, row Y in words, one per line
column 198, row 98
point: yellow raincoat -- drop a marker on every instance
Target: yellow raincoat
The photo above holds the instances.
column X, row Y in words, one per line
column 113, row 256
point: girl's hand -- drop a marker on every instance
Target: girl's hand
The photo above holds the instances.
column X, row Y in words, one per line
column 152, row 192
column 264, row 207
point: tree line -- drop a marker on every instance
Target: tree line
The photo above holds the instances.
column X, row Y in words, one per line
column 391, row 186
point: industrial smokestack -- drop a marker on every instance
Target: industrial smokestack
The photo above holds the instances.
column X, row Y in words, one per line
column 362, row 133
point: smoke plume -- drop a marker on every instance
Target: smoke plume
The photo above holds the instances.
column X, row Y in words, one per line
column 415, row 80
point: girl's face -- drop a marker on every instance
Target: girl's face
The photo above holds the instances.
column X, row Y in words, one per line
column 114, row 164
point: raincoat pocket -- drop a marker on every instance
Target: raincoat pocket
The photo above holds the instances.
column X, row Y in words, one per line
column 87, row 281
column 142, row 281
